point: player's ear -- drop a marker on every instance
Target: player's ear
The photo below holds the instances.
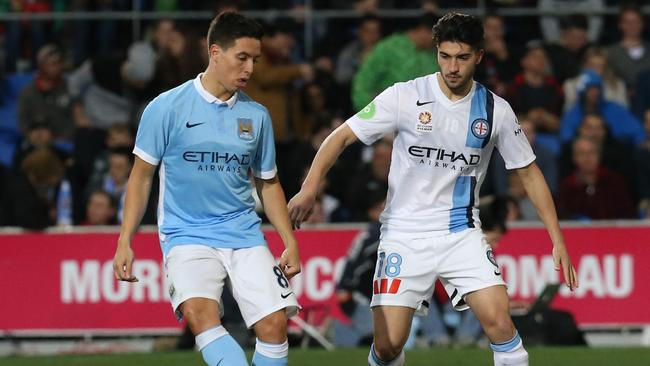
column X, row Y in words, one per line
column 214, row 50
column 480, row 53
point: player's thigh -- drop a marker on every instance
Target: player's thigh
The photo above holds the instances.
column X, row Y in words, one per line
column 392, row 325
column 259, row 286
column 490, row 305
column 467, row 265
column 195, row 272
column 404, row 273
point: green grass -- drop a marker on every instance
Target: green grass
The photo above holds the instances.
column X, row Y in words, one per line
column 357, row 357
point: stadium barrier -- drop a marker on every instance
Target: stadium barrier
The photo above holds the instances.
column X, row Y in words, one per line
column 62, row 283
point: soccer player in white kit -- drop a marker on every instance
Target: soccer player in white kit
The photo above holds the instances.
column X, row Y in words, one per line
column 446, row 126
column 209, row 138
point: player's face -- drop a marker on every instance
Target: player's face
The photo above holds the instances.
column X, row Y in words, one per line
column 457, row 64
column 234, row 65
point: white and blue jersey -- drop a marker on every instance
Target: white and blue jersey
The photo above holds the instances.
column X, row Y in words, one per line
column 440, row 153
column 206, row 148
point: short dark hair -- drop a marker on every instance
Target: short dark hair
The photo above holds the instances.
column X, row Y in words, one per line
column 227, row 27
column 457, row 27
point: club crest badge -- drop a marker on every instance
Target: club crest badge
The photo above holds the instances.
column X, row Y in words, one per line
column 480, row 128
column 424, row 120
column 245, row 128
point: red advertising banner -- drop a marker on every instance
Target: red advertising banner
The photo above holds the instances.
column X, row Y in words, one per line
column 65, row 281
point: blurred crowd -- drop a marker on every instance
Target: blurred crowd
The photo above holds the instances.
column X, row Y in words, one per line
column 71, row 94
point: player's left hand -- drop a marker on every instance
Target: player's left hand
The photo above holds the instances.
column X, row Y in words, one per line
column 563, row 262
column 290, row 262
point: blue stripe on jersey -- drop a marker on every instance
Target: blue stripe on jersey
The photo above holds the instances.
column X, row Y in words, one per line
column 461, row 216
column 480, row 118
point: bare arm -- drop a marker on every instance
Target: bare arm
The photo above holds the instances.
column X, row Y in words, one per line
column 302, row 203
column 275, row 206
column 540, row 195
column 135, row 203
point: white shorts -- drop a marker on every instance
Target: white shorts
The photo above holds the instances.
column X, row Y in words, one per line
column 407, row 269
column 257, row 283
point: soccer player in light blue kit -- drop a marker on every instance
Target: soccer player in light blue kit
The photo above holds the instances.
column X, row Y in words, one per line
column 209, row 139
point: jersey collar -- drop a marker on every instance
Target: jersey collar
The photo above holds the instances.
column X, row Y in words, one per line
column 209, row 97
column 443, row 98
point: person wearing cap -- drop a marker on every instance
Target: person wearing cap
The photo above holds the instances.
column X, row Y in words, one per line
column 46, row 100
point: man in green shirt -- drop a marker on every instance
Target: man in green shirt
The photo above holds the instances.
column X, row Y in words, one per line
column 399, row 57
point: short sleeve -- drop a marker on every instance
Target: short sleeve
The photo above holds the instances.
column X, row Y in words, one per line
column 264, row 162
column 152, row 137
column 511, row 141
column 377, row 118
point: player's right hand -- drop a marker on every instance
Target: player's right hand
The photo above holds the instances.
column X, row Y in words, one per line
column 123, row 264
column 300, row 207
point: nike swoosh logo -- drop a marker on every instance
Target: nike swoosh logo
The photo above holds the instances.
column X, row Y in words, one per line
column 422, row 103
column 284, row 296
column 219, row 363
column 190, row 125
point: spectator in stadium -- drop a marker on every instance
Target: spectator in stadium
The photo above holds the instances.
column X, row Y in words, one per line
column 398, row 57
column 181, row 59
column 272, row 85
column 19, row 34
column 38, row 135
column 535, row 92
column 566, row 56
column 500, row 61
column 614, row 88
column 642, row 168
column 118, row 136
column 351, row 57
column 101, row 209
column 120, row 162
column 46, row 100
column 554, row 28
column 593, row 192
column 29, row 199
column 100, row 93
column 623, row 125
column 631, row 54
column 614, row 155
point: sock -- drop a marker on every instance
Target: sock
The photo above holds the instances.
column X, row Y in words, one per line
column 374, row 360
column 269, row 354
column 511, row 353
column 219, row 348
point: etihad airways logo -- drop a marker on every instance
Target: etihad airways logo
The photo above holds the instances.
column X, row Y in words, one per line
column 217, row 161
column 442, row 158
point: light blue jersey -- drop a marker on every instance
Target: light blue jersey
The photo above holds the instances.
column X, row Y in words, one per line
column 205, row 148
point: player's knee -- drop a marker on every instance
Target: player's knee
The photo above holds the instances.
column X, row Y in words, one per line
column 199, row 317
column 386, row 349
column 272, row 328
column 500, row 327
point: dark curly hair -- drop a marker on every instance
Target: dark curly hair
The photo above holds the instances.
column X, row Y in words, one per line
column 457, row 27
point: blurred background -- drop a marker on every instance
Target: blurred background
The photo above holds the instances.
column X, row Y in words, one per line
column 75, row 76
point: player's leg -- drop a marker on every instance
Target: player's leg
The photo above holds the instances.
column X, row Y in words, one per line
column 266, row 301
column 404, row 281
column 271, row 346
column 490, row 305
column 212, row 339
column 471, row 277
column 196, row 274
column 392, row 325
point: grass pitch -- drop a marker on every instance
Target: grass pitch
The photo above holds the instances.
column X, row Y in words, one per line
column 357, row 357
